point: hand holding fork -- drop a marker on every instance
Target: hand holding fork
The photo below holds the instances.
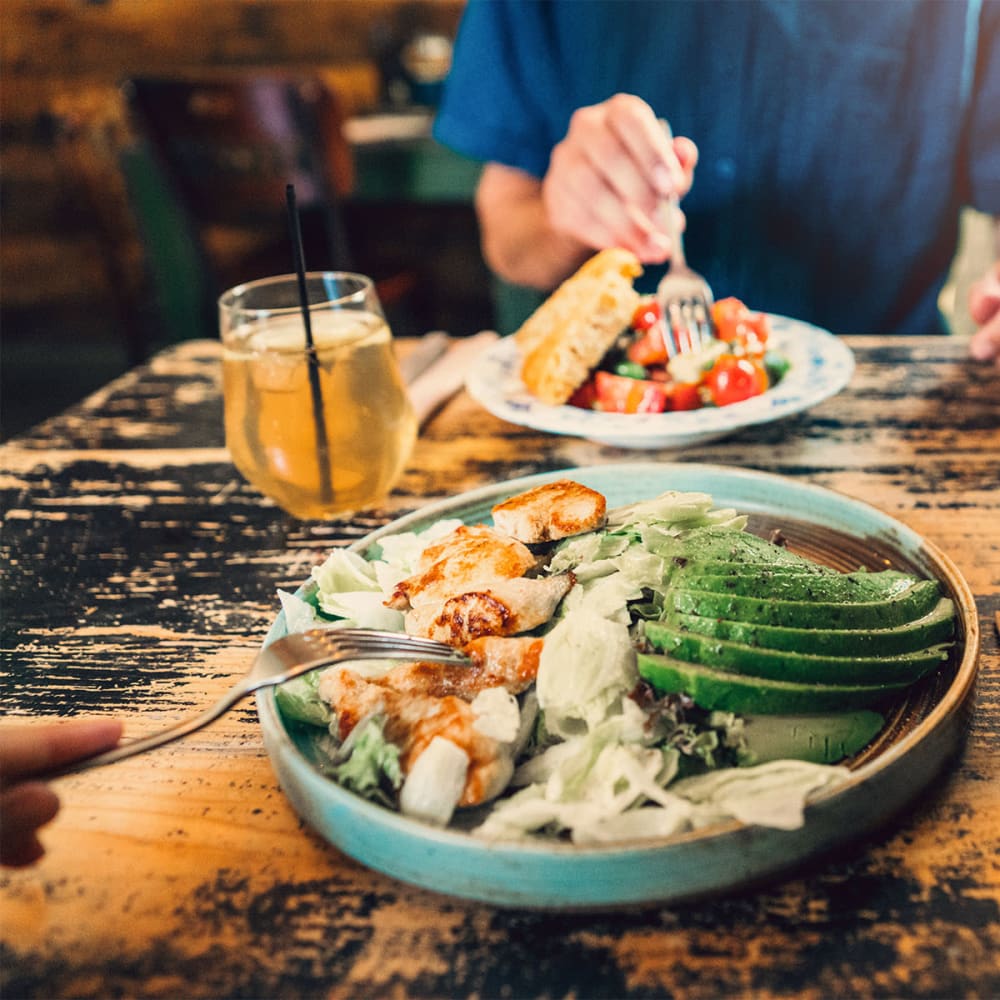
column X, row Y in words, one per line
column 278, row 662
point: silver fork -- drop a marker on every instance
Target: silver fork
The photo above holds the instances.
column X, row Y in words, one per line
column 684, row 295
column 282, row 660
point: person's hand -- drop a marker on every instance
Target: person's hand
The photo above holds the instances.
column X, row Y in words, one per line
column 27, row 750
column 984, row 307
column 608, row 178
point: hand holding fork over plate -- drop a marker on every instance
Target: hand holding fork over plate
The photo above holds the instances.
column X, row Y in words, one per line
column 280, row 661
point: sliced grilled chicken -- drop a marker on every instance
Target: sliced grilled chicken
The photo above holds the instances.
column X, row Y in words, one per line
column 510, row 663
column 504, row 607
column 471, row 556
column 555, row 510
column 413, row 721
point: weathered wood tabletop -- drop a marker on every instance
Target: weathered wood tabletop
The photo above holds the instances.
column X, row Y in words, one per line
column 140, row 575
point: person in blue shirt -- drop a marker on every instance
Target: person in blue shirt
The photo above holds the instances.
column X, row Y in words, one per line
column 832, row 146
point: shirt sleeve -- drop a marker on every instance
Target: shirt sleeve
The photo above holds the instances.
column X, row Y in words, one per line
column 492, row 108
column 984, row 126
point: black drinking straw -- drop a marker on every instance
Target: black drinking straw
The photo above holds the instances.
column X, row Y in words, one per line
column 322, row 443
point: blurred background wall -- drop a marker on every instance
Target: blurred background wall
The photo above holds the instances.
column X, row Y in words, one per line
column 71, row 257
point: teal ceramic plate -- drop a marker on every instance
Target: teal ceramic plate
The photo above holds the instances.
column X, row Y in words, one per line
column 923, row 731
column 820, row 365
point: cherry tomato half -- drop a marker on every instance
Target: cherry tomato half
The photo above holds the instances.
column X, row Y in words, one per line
column 648, row 313
column 619, row 394
column 734, row 379
column 734, row 323
column 585, row 396
column 685, row 396
column 649, row 349
column 726, row 313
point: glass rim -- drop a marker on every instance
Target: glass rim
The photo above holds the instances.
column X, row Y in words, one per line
column 227, row 301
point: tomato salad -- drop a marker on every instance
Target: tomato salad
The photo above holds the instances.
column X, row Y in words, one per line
column 638, row 375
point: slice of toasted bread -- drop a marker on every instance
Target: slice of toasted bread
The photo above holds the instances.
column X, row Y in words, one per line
column 569, row 333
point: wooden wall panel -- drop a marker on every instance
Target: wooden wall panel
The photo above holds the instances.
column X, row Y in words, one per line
column 88, row 39
column 62, row 62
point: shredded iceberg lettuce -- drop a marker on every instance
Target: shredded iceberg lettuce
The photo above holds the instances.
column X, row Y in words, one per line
column 587, row 666
column 299, row 699
column 670, row 507
column 619, row 779
column 772, row 794
column 403, row 551
column 348, row 589
column 368, row 763
column 344, row 572
column 583, row 781
column 589, row 555
column 300, row 615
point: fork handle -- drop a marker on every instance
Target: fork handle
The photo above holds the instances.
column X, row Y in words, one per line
column 670, row 213
column 175, row 732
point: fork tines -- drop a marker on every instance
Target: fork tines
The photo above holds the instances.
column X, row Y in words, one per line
column 689, row 324
column 373, row 644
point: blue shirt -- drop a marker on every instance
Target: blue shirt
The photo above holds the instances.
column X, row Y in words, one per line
column 838, row 140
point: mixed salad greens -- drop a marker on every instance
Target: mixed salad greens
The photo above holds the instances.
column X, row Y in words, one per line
column 597, row 753
column 646, row 371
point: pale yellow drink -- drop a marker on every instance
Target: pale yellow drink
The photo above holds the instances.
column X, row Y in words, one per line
column 271, row 432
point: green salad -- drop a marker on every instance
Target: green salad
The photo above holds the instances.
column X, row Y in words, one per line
column 694, row 673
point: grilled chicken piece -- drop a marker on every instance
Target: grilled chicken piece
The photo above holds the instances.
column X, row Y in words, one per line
column 504, row 607
column 471, row 556
column 510, row 663
column 555, row 510
column 413, row 720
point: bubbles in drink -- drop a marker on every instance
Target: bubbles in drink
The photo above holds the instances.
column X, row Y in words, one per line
column 270, row 426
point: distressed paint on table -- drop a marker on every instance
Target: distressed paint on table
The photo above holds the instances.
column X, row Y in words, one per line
column 140, row 576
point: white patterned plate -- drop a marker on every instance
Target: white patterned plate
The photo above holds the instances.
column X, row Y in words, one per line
column 820, row 366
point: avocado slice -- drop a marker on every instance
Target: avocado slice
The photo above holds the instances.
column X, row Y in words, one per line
column 718, row 689
column 936, row 626
column 914, row 602
column 821, row 739
column 713, row 544
column 783, row 665
column 723, row 567
column 851, row 588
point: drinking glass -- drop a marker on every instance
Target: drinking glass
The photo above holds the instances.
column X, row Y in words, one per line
column 321, row 430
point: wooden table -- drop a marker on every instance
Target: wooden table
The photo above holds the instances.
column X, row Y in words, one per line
column 140, row 577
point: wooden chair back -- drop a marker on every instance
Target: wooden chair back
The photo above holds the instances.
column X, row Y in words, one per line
column 228, row 146
column 232, row 144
